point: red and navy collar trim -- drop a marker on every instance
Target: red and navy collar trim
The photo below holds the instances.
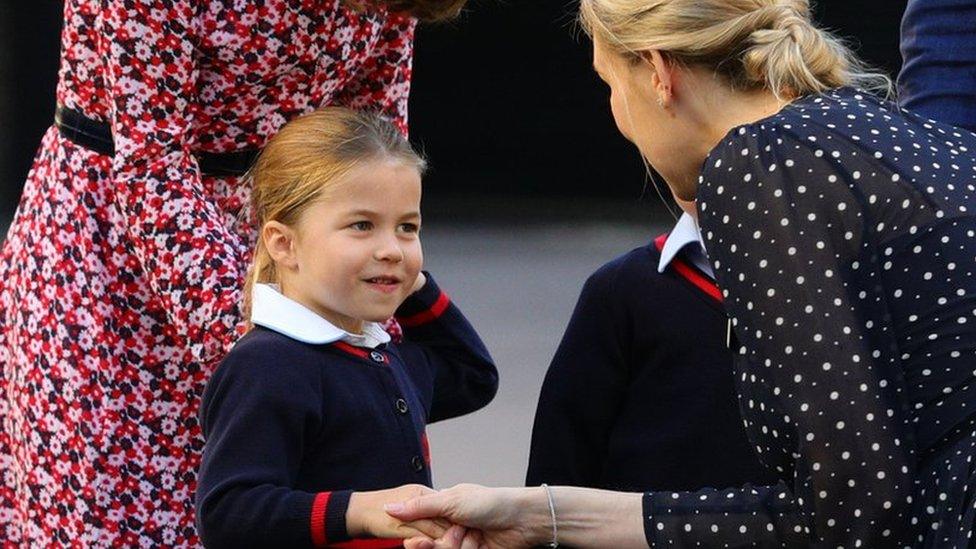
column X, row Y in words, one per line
column 690, row 273
column 351, row 349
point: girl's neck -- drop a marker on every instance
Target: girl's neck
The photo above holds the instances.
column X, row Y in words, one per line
column 344, row 323
column 352, row 326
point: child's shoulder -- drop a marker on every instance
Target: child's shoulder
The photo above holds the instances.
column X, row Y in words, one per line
column 264, row 369
column 637, row 265
column 262, row 350
column 261, row 341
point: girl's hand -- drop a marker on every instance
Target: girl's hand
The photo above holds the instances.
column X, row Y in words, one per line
column 365, row 516
column 419, row 283
column 504, row 516
column 456, row 537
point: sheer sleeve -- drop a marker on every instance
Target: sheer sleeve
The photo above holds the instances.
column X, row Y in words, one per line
column 820, row 382
column 382, row 84
column 193, row 263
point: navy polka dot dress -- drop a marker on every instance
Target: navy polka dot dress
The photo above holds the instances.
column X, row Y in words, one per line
column 842, row 232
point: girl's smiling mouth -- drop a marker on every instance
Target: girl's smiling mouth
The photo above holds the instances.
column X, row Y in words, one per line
column 386, row 284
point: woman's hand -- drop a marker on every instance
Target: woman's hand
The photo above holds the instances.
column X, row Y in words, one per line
column 495, row 517
column 498, row 518
column 365, row 516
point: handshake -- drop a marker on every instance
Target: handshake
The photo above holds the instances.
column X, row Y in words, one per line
column 466, row 516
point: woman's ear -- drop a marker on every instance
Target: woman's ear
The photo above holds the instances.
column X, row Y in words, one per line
column 663, row 78
column 279, row 239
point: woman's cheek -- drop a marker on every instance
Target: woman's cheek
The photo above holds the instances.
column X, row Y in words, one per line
column 620, row 117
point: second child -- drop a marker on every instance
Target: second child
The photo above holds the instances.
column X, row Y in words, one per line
column 315, row 411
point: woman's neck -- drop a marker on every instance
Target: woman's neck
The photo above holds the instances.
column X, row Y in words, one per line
column 729, row 109
column 712, row 109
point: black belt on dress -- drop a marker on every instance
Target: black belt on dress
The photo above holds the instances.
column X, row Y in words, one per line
column 97, row 136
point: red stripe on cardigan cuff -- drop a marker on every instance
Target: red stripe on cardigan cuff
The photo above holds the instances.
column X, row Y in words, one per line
column 335, row 517
column 431, row 314
column 319, row 507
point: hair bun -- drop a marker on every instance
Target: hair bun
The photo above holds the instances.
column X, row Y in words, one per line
column 790, row 55
column 777, row 23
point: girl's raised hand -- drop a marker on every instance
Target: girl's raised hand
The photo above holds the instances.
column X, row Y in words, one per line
column 419, row 283
column 366, row 517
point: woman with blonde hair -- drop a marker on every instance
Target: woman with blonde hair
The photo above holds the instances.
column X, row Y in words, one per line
column 841, row 234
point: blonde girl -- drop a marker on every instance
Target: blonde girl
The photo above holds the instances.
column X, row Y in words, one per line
column 315, row 409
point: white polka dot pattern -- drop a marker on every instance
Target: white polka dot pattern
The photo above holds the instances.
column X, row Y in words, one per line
column 841, row 233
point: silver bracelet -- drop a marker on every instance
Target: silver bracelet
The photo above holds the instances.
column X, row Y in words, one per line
column 552, row 514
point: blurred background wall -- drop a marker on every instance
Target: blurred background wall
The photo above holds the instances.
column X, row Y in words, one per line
column 29, row 46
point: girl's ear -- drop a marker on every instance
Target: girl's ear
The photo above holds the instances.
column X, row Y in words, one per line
column 279, row 239
column 664, row 76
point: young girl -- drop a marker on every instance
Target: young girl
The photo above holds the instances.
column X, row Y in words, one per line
column 315, row 401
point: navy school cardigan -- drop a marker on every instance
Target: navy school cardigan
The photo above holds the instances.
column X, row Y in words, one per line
column 293, row 428
column 640, row 395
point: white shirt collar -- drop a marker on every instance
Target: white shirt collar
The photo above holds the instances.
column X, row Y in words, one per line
column 273, row 310
column 684, row 233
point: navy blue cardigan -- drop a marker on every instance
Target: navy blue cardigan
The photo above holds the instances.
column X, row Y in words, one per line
column 293, row 428
column 640, row 395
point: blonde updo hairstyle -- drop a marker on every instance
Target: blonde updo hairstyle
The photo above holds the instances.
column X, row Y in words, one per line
column 753, row 44
column 306, row 159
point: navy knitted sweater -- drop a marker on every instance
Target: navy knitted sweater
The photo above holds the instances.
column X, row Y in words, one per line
column 639, row 395
column 293, row 428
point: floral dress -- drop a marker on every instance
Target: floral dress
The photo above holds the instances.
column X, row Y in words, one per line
column 120, row 276
column 843, row 233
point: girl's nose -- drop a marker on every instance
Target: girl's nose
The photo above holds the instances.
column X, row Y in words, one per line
column 389, row 250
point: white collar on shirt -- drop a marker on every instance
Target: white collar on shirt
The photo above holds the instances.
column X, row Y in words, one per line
column 273, row 310
column 684, row 233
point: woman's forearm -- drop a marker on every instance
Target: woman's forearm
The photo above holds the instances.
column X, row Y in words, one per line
column 585, row 517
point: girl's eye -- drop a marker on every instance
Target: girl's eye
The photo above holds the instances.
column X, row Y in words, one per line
column 361, row 226
column 410, row 227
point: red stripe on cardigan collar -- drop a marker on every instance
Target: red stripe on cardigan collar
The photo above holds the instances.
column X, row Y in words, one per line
column 351, row 349
column 691, row 274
